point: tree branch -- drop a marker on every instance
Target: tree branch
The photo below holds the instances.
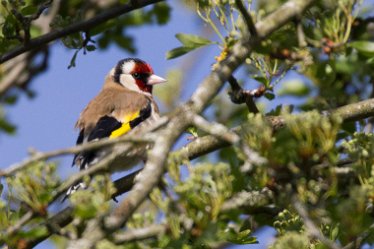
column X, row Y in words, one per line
column 311, row 228
column 179, row 121
column 215, row 129
column 140, row 234
column 209, row 143
column 12, row 169
column 352, row 112
column 76, row 27
column 247, row 18
column 155, row 165
column 239, row 96
column 133, row 138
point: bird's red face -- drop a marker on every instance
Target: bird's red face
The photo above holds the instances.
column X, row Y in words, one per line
column 137, row 75
column 141, row 73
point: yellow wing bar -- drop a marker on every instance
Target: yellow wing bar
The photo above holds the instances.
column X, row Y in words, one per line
column 125, row 125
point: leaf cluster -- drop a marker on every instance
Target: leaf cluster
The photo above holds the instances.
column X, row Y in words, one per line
column 314, row 160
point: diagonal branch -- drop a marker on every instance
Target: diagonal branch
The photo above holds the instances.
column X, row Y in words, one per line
column 140, row 234
column 311, row 228
column 218, row 130
column 179, row 120
column 207, row 144
column 238, row 95
column 134, row 138
column 72, row 150
column 352, row 112
column 77, row 27
column 98, row 229
column 247, row 18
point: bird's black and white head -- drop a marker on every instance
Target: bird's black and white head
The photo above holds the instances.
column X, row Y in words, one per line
column 136, row 75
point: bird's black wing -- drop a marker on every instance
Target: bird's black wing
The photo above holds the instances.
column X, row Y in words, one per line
column 104, row 127
column 108, row 126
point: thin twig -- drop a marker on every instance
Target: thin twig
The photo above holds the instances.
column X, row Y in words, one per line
column 72, row 150
column 130, row 138
column 20, row 223
column 311, row 228
column 215, row 129
column 239, row 96
column 166, row 136
column 155, row 165
column 351, row 112
column 102, row 165
column 247, row 18
column 76, row 27
column 300, row 34
column 65, row 217
column 248, row 200
column 140, row 234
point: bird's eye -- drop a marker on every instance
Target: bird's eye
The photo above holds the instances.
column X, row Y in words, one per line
column 136, row 75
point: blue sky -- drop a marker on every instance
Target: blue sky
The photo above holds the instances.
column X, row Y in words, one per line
column 46, row 122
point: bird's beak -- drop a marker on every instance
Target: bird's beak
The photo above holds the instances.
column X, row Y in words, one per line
column 154, row 79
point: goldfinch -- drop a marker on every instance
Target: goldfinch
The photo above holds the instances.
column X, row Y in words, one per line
column 124, row 104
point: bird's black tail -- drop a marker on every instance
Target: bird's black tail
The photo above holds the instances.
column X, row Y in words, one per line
column 73, row 189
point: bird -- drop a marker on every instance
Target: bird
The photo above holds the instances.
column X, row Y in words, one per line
column 124, row 104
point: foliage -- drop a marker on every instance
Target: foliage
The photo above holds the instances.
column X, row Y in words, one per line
column 316, row 160
column 31, row 190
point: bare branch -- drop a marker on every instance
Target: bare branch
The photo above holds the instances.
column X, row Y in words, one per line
column 215, row 129
column 195, row 149
column 248, row 200
column 355, row 111
column 247, row 18
column 155, row 165
column 61, row 219
column 25, row 219
column 300, row 35
column 311, row 228
column 352, row 112
column 133, row 138
column 140, row 234
column 239, row 96
column 65, row 217
column 72, row 150
column 179, row 121
column 76, row 27
column 19, row 71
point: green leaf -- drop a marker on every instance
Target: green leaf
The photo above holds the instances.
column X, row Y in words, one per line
column 262, row 79
column 35, row 232
column 176, row 52
column 370, row 61
column 334, row 233
column 72, row 61
column 190, row 42
column 10, row 99
column 295, row 88
column 29, row 10
column 269, row 96
column 241, row 238
column 195, row 41
column 90, row 48
column 162, row 13
column 365, row 48
column 125, row 42
column 7, row 127
column 9, row 26
column 193, row 131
